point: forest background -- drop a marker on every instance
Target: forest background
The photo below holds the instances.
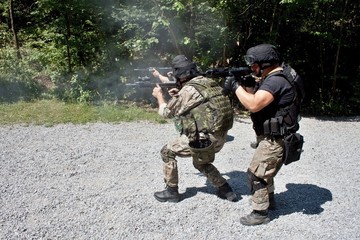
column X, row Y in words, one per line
column 87, row 50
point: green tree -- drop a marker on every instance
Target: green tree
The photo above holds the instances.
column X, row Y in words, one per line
column 88, row 48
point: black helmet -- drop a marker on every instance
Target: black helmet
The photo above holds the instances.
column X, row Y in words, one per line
column 263, row 54
column 184, row 68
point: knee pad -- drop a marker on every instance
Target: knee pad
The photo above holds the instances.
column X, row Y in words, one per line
column 255, row 183
column 166, row 154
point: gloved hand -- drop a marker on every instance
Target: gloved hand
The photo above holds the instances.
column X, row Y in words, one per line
column 248, row 81
column 230, row 85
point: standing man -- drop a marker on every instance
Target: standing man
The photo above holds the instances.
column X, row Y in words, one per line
column 273, row 113
column 203, row 116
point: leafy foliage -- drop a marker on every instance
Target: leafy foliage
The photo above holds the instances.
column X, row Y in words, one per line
column 85, row 50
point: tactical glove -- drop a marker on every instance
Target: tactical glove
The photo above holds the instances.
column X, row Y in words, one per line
column 230, row 85
column 248, row 81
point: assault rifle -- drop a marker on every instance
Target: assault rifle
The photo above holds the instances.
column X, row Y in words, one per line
column 241, row 74
column 146, row 82
column 151, row 69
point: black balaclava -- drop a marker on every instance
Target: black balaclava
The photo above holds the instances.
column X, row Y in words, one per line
column 184, row 68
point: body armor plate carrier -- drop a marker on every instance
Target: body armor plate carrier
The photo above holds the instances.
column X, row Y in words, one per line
column 213, row 114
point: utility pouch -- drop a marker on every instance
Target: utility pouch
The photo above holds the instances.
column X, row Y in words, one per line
column 293, row 144
column 273, row 127
column 189, row 127
column 202, row 150
column 267, row 127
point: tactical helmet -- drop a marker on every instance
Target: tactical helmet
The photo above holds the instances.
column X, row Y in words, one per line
column 263, row 54
column 184, row 68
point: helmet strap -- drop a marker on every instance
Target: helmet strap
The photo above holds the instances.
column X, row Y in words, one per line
column 265, row 65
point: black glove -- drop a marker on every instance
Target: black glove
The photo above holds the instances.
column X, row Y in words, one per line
column 248, row 81
column 230, row 85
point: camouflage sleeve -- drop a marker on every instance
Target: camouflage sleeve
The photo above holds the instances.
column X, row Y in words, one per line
column 187, row 98
column 162, row 109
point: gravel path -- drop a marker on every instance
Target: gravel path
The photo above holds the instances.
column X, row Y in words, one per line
column 96, row 181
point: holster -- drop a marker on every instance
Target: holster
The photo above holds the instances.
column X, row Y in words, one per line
column 255, row 183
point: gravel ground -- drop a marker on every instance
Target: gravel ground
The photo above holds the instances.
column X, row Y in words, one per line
column 96, row 181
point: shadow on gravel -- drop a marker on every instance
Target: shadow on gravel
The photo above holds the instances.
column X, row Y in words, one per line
column 236, row 179
column 229, row 138
column 192, row 191
column 304, row 198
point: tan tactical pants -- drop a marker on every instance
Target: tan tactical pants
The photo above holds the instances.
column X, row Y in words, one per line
column 180, row 148
column 265, row 164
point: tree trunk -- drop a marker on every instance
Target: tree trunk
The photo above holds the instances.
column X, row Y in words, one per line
column 322, row 71
column 13, row 29
column 174, row 40
column 273, row 17
column 67, row 37
column 333, row 88
column 191, row 29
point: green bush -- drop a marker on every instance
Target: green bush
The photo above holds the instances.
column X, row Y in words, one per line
column 17, row 80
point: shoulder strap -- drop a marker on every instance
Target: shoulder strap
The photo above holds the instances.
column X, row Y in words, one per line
column 281, row 73
column 205, row 87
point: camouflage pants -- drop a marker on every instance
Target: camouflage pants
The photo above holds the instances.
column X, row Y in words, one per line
column 265, row 164
column 179, row 147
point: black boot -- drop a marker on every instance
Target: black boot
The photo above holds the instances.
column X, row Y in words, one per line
column 170, row 194
column 226, row 192
column 255, row 218
column 254, row 145
column 272, row 203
